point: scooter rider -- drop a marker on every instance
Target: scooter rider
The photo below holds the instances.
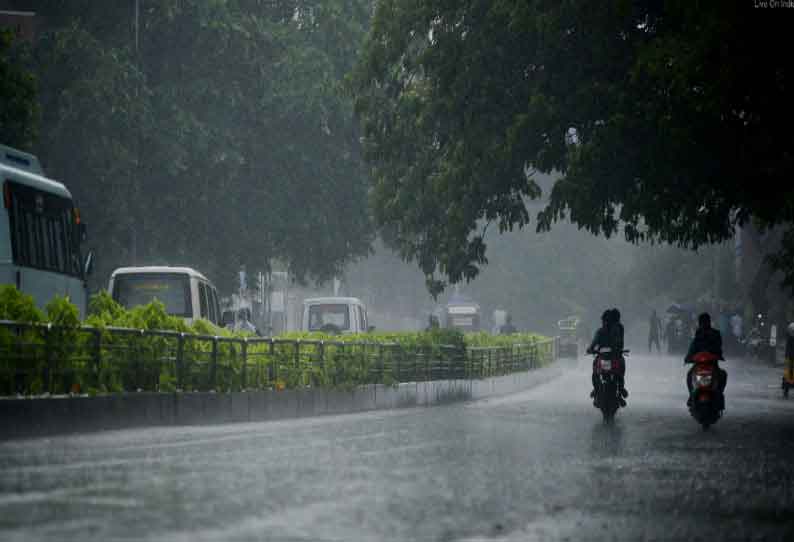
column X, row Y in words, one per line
column 616, row 335
column 707, row 339
column 610, row 335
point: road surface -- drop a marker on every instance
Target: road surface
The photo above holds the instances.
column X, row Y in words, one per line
column 539, row 465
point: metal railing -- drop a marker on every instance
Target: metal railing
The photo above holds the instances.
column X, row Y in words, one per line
column 43, row 358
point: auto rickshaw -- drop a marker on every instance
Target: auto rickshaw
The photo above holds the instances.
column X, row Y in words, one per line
column 787, row 381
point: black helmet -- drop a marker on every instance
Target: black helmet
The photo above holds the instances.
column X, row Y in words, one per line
column 606, row 316
column 615, row 315
column 704, row 320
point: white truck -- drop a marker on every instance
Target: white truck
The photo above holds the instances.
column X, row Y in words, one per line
column 335, row 315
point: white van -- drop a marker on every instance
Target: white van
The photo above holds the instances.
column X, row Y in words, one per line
column 184, row 291
column 335, row 315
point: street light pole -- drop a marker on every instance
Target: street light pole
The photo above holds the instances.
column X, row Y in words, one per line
column 133, row 228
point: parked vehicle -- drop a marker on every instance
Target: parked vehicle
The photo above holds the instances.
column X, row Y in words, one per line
column 185, row 292
column 237, row 314
column 762, row 340
column 707, row 401
column 239, row 320
column 462, row 315
column 607, row 392
column 40, row 233
column 335, row 315
column 569, row 337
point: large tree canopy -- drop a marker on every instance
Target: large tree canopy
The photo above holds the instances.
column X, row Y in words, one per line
column 223, row 138
column 669, row 121
column 18, row 107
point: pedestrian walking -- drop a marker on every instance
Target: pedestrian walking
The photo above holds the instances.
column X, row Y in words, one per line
column 654, row 332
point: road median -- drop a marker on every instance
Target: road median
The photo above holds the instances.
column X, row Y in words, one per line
column 49, row 416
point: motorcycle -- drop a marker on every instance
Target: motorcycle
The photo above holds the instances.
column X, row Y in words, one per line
column 706, row 401
column 788, row 377
column 607, row 392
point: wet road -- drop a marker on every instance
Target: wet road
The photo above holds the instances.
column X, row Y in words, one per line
column 533, row 466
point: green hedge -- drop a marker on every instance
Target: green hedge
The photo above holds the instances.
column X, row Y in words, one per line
column 108, row 353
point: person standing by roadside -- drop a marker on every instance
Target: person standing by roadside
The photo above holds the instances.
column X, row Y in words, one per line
column 736, row 331
column 432, row 323
column 654, row 332
column 669, row 335
column 508, row 326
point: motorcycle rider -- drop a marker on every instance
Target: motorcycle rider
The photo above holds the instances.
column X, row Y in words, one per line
column 610, row 335
column 617, row 333
column 669, row 335
column 707, row 339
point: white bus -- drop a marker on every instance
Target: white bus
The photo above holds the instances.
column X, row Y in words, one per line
column 185, row 292
column 40, row 233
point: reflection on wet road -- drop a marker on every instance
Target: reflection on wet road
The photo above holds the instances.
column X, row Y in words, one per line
column 533, row 466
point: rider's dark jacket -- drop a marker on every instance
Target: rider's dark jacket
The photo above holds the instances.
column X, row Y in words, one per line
column 706, row 340
column 610, row 335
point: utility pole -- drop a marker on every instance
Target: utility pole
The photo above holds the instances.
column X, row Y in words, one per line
column 137, row 169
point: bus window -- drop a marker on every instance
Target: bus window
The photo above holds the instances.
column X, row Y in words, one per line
column 42, row 230
column 362, row 319
column 204, row 312
column 213, row 315
column 217, row 306
column 172, row 289
column 322, row 315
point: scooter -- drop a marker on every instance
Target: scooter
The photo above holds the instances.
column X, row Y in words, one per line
column 706, row 401
column 607, row 392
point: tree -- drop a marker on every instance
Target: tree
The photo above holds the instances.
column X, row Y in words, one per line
column 666, row 122
column 224, row 139
column 18, row 108
column 537, row 278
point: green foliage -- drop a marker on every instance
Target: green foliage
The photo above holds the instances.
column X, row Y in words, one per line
column 486, row 339
column 437, row 336
column 236, row 107
column 656, row 135
column 19, row 307
column 61, row 312
column 103, row 309
column 146, row 349
column 16, row 306
column 19, row 109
